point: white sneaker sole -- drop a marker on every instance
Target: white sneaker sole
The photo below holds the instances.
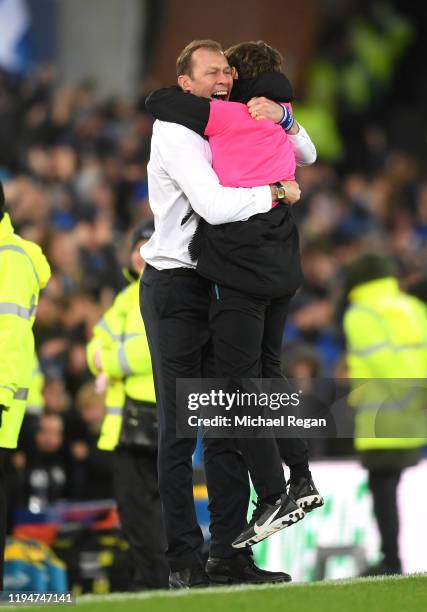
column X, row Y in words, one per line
column 286, row 521
column 281, row 523
column 310, row 502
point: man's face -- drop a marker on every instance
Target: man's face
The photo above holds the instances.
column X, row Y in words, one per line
column 211, row 75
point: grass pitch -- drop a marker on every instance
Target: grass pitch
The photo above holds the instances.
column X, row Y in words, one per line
column 384, row 594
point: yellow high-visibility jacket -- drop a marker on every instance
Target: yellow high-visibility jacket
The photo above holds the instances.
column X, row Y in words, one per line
column 122, row 341
column 386, row 334
column 24, row 271
column 35, row 402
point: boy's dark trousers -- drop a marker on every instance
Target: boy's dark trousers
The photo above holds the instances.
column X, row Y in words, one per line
column 247, row 334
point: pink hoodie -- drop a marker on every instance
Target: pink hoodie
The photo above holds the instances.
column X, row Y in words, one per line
column 247, row 152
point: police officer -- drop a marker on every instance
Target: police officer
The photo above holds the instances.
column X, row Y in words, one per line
column 386, row 334
column 119, row 356
column 24, row 271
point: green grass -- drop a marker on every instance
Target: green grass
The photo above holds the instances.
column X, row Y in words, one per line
column 385, row 594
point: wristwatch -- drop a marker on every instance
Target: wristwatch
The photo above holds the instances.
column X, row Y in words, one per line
column 281, row 192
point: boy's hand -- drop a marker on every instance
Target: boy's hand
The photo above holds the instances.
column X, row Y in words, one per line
column 263, row 108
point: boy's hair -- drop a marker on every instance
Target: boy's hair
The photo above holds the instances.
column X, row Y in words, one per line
column 184, row 62
column 251, row 59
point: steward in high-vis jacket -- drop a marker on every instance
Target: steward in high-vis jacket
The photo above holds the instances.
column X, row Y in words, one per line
column 386, row 334
column 119, row 356
column 24, row 271
column 119, row 343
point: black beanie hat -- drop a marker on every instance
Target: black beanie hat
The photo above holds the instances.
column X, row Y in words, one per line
column 143, row 232
column 367, row 268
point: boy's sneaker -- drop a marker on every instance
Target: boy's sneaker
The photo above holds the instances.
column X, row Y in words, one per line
column 269, row 518
column 305, row 494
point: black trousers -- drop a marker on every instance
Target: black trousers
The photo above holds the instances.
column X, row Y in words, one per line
column 383, row 485
column 247, row 333
column 137, row 495
column 175, row 309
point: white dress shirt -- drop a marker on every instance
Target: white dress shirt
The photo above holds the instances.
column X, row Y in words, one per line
column 180, row 177
column 304, row 149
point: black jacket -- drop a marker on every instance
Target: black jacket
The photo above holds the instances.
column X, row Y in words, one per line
column 259, row 256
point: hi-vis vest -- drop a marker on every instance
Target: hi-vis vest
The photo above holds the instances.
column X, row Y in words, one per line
column 122, row 341
column 386, row 333
column 23, row 272
column 35, row 401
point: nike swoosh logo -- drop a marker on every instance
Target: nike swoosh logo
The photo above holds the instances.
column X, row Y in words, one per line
column 268, row 522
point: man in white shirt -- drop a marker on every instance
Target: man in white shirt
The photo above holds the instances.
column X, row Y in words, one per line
column 175, row 305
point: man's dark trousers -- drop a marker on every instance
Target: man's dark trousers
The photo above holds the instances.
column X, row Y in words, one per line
column 175, row 309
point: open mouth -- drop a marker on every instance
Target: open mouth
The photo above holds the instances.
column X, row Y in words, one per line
column 220, row 95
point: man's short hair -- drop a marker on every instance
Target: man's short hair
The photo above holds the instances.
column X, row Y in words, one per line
column 184, row 63
column 251, row 59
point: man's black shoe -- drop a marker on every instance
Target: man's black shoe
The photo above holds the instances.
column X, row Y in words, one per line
column 241, row 569
column 189, row 578
column 382, row 569
column 305, row 494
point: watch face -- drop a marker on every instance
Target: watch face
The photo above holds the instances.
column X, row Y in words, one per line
column 281, row 193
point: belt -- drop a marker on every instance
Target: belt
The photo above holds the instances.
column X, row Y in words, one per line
column 173, row 271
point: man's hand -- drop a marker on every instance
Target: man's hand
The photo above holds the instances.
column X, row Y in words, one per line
column 263, row 108
column 97, row 360
column 101, row 383
column 293, row 192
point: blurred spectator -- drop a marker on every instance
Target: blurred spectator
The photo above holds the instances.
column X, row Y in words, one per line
column 42, row 467
column 92, row 468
